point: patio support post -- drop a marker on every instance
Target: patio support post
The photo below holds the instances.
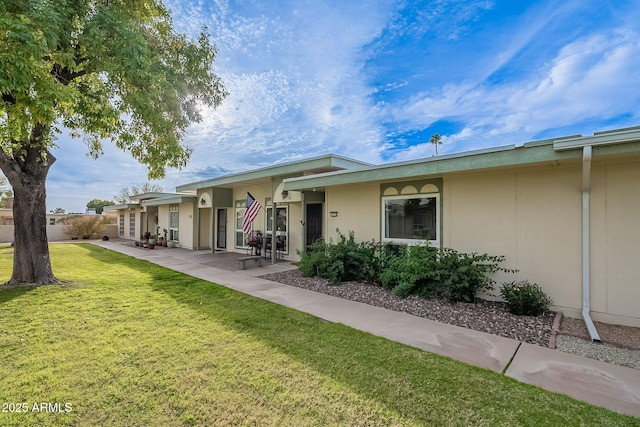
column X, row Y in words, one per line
column 274, row 220
column 197, row 230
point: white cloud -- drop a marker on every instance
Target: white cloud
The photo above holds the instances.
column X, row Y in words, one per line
column 592, row 77
column 302, row 78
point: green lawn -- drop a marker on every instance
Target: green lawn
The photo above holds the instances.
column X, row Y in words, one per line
column 126, row 342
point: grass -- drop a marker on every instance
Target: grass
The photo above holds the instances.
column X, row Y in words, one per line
column 126, row 342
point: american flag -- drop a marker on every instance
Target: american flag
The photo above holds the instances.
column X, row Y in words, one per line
column 251, row 213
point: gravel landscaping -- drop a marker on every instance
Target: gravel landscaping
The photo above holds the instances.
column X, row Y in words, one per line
column 486, row 316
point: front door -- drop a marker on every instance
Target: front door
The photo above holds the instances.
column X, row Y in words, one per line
column 221, row 235
column 313, row 223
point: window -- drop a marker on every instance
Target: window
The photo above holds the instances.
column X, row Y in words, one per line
column 52, row 221
column 174, row 221
column 238, row 228
column 132, row 224
column 411, row 220
column 282, row 225
column 121, row 225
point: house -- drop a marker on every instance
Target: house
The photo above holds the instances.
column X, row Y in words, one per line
column 207, row 215
column 565, row 212
column 156, row 213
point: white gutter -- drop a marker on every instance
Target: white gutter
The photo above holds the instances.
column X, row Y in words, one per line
column 586, row 243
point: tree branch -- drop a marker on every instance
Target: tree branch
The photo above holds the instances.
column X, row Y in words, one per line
column 8, row 98
column 64, row 75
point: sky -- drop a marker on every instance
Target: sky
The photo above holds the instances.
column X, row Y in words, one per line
column 374, row 80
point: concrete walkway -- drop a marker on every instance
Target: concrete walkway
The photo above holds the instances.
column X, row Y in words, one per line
column 602, row 384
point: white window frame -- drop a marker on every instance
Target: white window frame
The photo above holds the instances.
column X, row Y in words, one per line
column 238, row 234
column 269, row 223
column 121, row 225
column 132, row 224
column 174, row 229
column 410, row 242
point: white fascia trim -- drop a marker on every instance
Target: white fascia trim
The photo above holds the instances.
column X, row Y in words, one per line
column 602, row 138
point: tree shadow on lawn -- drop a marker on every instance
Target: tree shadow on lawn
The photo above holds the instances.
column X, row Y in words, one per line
column 10, row 292
column 408, row 380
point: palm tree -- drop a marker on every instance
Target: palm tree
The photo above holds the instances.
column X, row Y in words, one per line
column 435, row 140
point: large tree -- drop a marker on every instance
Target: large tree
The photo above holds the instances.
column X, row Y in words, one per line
column 99, row 205
column 100, row 69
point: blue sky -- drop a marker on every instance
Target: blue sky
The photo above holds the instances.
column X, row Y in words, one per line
column 374, row 80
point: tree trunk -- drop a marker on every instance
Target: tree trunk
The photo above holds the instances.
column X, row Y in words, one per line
column 31, row 262
column 27, row 174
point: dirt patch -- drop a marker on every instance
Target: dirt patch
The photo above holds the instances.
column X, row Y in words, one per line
column 617, row 335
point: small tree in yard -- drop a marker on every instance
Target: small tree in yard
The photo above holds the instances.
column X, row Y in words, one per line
column 86, row 227
column 99, row 205
column 103, row 69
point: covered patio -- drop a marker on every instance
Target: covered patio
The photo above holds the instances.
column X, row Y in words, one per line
column 222, row 260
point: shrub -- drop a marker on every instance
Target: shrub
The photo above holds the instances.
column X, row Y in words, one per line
column 420, row 270
column 446, row 273
column 88, row 227
column 342, row 261
column 524, row 298
column 463, row 275
column 412, row 270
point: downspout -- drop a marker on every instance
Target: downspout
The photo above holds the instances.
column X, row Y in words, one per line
column 586, row 243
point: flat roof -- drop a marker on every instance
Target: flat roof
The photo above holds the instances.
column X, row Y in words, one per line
column 314, row 165
column 171, row 200
column 550, row 150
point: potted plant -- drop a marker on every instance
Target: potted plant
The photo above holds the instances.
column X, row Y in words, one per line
column 164, row 240
column 145, row 239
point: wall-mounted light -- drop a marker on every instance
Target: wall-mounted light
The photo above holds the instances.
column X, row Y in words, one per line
column 333, row 214
column 285, row 193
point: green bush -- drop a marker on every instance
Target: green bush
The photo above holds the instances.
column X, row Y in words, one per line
column 339, row 262
column 419, row 270
column 412, row 270
column 524, row 298
column 86, row 227
column 446, row 273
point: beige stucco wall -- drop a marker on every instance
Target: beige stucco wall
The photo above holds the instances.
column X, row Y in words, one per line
column 204, row 220
column 186, row 224
column 163, row 219
column 358, row 208
column 533, row 218
column 615, row 236
column 295, row 230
